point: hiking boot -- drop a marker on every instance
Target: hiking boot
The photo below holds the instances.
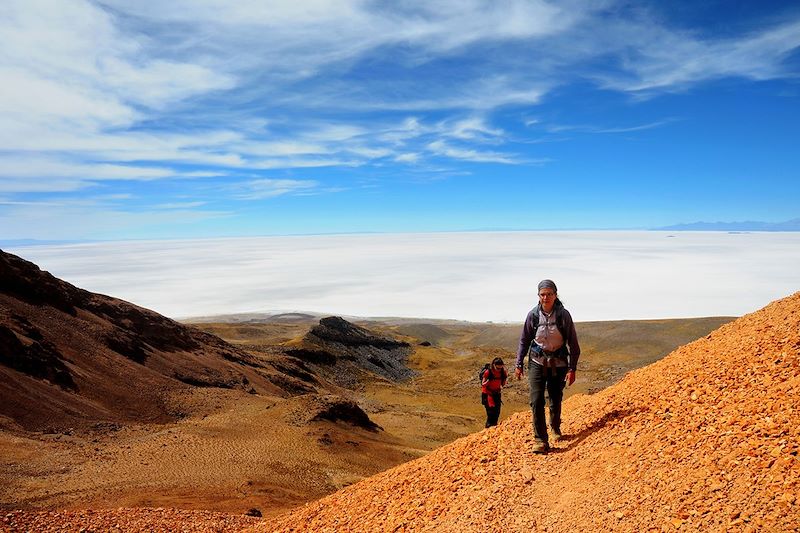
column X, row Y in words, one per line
column 540, row 447
column 557, row 436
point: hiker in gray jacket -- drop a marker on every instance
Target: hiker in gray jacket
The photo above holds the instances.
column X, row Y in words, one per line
column 549, row 338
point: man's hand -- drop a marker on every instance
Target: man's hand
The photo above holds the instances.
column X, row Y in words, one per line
column 570, row 377
column 518, row 373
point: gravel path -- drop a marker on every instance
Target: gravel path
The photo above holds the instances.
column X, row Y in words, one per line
column 125, row 520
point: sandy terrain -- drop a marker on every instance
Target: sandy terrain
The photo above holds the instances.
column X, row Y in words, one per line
column 246, row 454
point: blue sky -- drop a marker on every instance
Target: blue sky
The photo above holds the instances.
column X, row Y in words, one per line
column 203, row 118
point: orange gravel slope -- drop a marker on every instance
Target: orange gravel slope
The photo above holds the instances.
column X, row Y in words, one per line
column 704, row 440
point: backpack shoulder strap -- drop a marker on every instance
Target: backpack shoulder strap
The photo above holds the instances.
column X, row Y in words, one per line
column 535, row 318
column 560, row 320
column 562, row 327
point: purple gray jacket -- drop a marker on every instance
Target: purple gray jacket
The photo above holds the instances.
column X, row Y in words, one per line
column 565, row 325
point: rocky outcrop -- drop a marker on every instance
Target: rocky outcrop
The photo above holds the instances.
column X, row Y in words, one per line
column 366, row 350
column 338, row 330
column 332, row 408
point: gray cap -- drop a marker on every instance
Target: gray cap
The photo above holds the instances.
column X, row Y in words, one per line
column 547, row 284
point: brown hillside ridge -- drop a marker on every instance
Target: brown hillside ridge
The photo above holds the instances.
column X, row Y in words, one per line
column 706, row 439
column 71, row 359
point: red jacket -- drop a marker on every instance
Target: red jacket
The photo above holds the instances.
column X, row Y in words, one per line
column 493, row 381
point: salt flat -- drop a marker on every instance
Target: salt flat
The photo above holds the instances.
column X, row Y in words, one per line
column 476, row 276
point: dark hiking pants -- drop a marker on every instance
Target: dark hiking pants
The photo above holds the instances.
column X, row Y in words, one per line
column 492, row 413
column 552, row 380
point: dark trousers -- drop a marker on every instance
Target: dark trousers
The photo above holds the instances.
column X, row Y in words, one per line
column 551, row 379
column 492, row 413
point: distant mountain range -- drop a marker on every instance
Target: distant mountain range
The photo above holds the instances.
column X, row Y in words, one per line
column 750, row 225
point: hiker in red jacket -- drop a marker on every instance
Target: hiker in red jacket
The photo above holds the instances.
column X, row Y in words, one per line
column 493, row 379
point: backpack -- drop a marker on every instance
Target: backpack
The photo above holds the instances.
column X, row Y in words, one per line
column 560, row 325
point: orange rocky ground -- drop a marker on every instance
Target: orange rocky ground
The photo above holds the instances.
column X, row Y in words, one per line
column 707, row 439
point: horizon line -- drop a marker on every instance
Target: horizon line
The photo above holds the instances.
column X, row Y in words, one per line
column 58, row 242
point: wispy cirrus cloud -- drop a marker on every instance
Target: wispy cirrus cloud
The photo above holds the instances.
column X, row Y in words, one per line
column 670, row 60
column 72, row 61
column 585, row 128
column 180, row 205
column 269, row 188
column 442, row 148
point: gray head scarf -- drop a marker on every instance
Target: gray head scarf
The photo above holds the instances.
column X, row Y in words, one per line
column 547, row 284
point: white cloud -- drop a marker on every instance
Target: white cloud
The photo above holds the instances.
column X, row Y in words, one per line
column 325, row 29
column 441, row 148
column 180, row 205
column 639, row 127
column 658, row 58
column 600, row 275
column 410, row 157
column 585, row 128
column 37, row 204
column 35, row 168
column 50, row 185
column 270, row 188
column 68, row 59
column 289, row 162
column 472, row 128
column 24, row 96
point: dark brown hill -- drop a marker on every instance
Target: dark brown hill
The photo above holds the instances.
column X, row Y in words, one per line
column 70, row 358
column 348, row 353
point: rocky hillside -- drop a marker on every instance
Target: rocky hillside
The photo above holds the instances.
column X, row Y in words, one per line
column 706, row 439
column 70, row 358
column 347, row 353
